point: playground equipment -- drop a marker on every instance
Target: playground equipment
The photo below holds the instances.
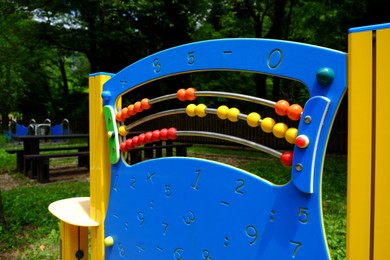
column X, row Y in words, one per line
column 201, row 209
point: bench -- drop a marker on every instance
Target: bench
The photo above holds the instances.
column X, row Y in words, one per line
column 20, row 160
column 41, row 167
column 150, row 151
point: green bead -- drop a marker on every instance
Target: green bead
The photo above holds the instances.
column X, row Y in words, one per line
column 325, row 76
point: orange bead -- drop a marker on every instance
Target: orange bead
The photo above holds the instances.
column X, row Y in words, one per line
column 137, row 107
column 181, row 94
column 119, row 117
column 294, row 112
column 130, row 110
column 145, row 103
column 190, row 94
column 281, row 107
column 124, row 113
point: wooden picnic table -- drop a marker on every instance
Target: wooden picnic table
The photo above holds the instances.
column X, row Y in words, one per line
column 26, row 162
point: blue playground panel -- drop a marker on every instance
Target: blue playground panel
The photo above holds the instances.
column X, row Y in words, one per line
column 187, row 208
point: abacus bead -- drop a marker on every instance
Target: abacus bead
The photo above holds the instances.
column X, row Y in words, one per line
column 119, row 117
column 145, row 103
column 149, row 137
column 123, row 147
column 232, row 114
column 156, row 135
column 279, row 130
column 137, row 107
column 135, row 141
column 130, row 110
column 141, row 139
column 291, row 135
column 287, row 158
column 164, row 134
column 267, row 124
column 190, row 110
column 122, row 130
column 181, row 94
column 124, row 113
column 190, row 94
column 222, row 112
column 281, row 107
column 172, row 133
column 129, row 144
column 253, row 119
column 294, row 112
column 200, row 110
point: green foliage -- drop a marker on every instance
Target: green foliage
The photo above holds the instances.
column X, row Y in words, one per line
column 26, row 212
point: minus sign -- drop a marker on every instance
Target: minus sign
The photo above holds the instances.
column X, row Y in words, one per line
column 225, row 203
column 159, row 248
column 227, row 52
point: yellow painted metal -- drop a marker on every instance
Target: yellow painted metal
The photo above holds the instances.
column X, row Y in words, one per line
column 73, row 239
column 382, row 146
column 359, row 144
column 99, row 163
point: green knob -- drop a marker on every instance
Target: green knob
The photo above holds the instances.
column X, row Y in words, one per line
column 325, row 76
column 109, row 241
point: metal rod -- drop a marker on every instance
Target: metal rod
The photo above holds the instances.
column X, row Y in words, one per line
column 231, row 139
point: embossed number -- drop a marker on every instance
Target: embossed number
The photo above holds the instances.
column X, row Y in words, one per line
column 191, row 57
column 303, row 215
column 156, row 65
column 206, row 255
column 297, row 246
column 195, row 186
column 141, row 218
column 121, row 249
column 190, row 218
column 240, row 186
column 251, row 232
column 177, row 254
column 133, row 182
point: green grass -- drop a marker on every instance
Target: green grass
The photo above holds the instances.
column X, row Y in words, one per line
column 33, row 233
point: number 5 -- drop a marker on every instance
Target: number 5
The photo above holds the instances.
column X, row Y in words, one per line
column 303, row 215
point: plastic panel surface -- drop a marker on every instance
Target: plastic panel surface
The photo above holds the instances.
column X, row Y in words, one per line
column 155, row 211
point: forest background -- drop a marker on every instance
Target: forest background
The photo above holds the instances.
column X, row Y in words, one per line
column 48, row 48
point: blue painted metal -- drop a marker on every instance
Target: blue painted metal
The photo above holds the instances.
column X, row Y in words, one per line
column 205, row 210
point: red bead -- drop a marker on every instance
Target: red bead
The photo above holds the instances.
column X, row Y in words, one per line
column 129, row 144
column 149, row 137
column 123, row 147
column 164, row 134
column 287, row 158
column 135, row 141
column 156, row 135
column 141, row 139
column 172, row 133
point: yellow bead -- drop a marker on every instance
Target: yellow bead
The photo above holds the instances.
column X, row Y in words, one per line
column 122, row 130
column 253, row 119
column 291, row 135
column 222, row 112
column 232, row 114
column 279, row 130
column 267, row 124
column 201, row 110
column 190, row 110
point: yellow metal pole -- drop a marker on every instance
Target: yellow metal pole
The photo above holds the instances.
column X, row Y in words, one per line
column 359, row 145
column 99, row 163
column 382, row 145
column 368, row 205
column 74, row 242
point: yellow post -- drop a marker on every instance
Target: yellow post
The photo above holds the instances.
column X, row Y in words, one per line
column 99, row 163
column 368, row 91
column 74, row 241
